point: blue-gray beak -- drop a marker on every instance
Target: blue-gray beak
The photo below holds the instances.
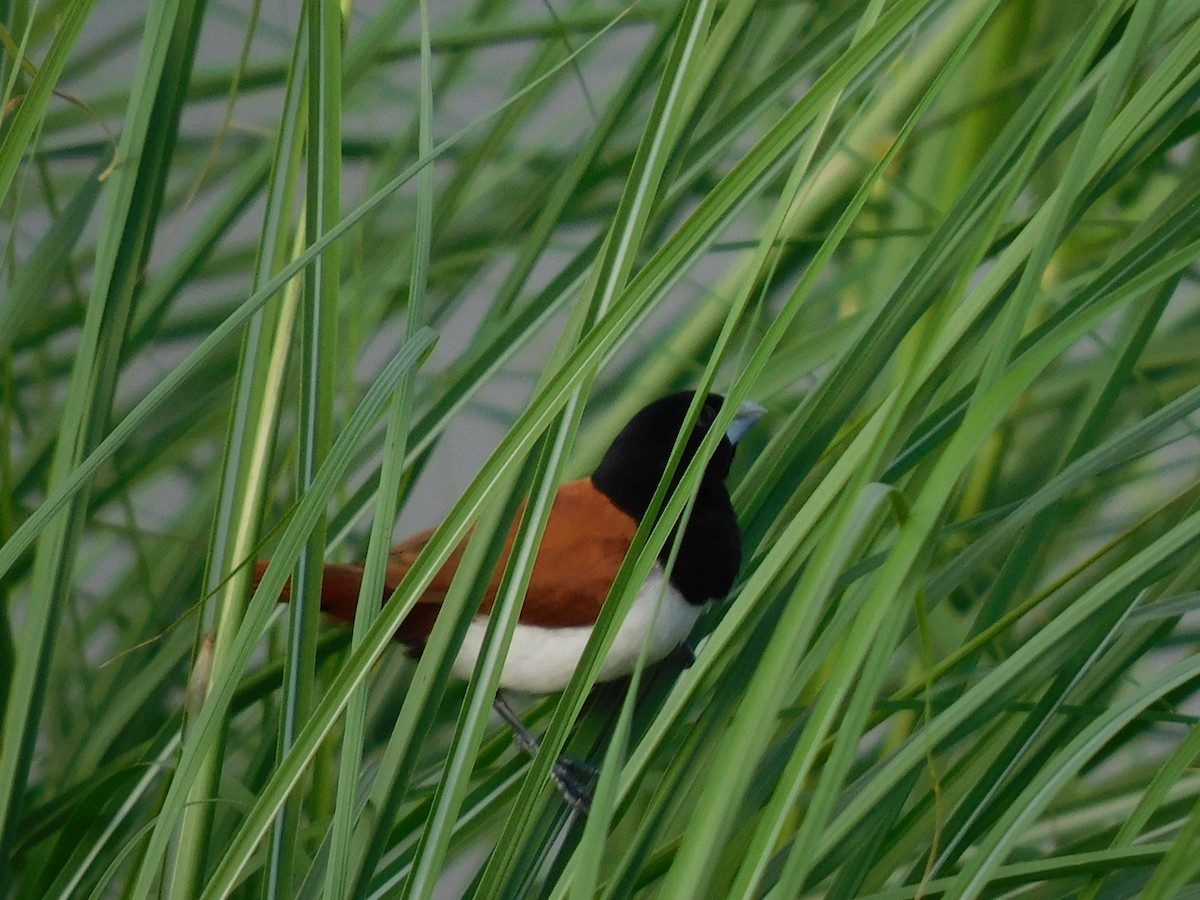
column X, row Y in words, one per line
column 748, row 413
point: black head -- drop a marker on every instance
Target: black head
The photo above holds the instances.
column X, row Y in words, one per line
column 634, row 463
column 710, row 552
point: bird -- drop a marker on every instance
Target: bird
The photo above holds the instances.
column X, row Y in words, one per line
column 590, row 528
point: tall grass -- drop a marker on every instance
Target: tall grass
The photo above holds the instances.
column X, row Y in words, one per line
column 276, row 279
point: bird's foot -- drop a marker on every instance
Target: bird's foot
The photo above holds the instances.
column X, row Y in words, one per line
column 570, row 785
column 570, row 776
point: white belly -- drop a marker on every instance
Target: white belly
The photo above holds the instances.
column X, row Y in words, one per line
column 541, row 660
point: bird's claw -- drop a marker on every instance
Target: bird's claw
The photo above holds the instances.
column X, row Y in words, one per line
column 577, row 768
column 570, row 776
column 565, row 777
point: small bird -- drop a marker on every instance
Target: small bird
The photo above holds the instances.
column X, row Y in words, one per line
column 590, row 528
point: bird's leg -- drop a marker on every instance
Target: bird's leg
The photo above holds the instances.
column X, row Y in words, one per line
column 569, row 774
